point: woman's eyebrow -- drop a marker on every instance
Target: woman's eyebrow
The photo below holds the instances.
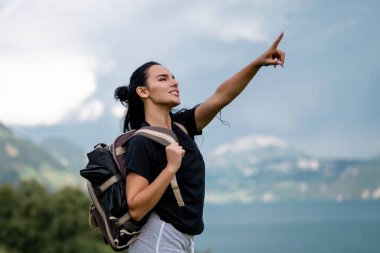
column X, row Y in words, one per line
column 164, row 75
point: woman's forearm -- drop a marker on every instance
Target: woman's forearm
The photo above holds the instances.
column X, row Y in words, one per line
column 232, row 87
column 146, row 199
column 225, row 94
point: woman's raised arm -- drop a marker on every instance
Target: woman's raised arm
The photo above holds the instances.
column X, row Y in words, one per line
column 232, row 87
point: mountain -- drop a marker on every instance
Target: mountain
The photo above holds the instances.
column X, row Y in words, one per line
column 267, row 169
column 69, row 155
column 21, row 159
column 83, row 134
column 248, row 169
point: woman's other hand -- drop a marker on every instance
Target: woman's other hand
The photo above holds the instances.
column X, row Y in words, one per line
column 174, row 154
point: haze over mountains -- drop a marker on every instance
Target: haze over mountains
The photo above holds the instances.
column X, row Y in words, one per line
column 253, row 168
column 21, row 159
column 268, row 169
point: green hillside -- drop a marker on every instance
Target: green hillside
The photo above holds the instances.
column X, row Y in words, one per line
column 21, row 160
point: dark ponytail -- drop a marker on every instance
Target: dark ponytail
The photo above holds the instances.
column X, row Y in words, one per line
column 128, row 96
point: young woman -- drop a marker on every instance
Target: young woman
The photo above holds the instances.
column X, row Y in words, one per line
column 152, row 93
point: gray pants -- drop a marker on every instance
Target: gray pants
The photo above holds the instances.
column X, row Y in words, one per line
column 158, row 236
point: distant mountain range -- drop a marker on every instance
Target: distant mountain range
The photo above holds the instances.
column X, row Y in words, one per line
column 248, row 169
column 22, row 159
column 268, row 169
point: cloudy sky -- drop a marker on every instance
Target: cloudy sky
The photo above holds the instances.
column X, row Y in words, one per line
column 60, row 62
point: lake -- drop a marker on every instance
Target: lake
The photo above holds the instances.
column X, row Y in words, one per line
column 323, row 227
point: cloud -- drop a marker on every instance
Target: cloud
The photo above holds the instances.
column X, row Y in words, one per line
column 268, row 197
column 250, row 142
column 279, row 167
column 247, row 171
column 302, row 187
column 48, row 67
column 50, row 46
column 308, row 164
column 205, row 42
column 366, row 193
column 45, row 70
column 242, row 195
column 91, row 111
column 376, row 193
column 339, row 198
column 118, row 111
column 41, row 88
column 215, row 21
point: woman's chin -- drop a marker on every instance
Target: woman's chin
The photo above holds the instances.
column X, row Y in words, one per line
column 177, row 102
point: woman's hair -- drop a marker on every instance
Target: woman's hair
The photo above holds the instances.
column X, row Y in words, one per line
column 128, row 96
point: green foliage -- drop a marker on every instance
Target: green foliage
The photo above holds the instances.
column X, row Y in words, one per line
column 33, row 221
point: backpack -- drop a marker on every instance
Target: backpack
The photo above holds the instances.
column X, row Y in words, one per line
column 105, row 173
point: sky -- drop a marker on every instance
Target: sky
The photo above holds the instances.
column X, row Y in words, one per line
column 60, row 62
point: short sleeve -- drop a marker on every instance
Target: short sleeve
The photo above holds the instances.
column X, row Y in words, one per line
column 186, row 117
column 138, row 156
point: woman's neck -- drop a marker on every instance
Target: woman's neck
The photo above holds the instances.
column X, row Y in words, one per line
column 158, row 116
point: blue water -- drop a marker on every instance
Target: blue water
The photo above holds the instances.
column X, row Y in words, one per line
column 290, row 228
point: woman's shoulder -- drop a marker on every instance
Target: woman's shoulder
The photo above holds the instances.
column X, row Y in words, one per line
column 139, row 142
column 186, row 117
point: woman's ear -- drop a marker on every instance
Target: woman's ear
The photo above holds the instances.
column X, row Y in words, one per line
column 142, row 92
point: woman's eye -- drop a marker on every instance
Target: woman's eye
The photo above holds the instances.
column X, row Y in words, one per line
column 162, row 79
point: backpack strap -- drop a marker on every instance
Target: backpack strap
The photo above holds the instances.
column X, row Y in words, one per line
column 165, row 137
column 182, row 127
column 162, row 139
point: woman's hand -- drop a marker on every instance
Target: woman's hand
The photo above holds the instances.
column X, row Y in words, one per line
column 174, row 154
column 272, row 56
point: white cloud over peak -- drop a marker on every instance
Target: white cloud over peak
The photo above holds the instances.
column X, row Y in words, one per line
column 268, row 197
column 250, row 142
column 308, row 164
column 280, row 167
column 376, row 193
column 241, row 195
column 365, row 195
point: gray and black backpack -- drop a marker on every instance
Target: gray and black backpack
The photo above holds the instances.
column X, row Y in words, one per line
column 105, row 173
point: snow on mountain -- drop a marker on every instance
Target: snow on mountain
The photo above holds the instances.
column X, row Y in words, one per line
column 267, row 169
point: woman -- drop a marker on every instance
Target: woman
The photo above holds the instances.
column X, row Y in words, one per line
column 152, row 93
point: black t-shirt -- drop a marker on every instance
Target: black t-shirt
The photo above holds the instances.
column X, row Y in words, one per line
column 148, row 158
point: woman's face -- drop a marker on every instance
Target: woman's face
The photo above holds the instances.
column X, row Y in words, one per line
column 162, row 88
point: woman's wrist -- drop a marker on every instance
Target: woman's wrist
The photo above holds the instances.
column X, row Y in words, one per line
column 171, row 169
column 258, row 63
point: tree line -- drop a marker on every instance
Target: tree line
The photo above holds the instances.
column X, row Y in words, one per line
column 33, row 220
